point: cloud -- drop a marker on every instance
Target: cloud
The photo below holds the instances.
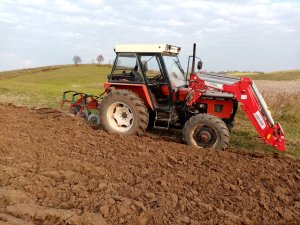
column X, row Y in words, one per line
column 173, row 22
column 94, row 2
column 10, row 59
column 32, row 2
column 8, row 55
column 8, row 18
column 243, row 35
column 67, row 6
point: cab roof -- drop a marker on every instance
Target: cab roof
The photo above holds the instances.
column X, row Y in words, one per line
column 147, row 48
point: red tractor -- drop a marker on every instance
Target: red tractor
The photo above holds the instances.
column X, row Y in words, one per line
column 148, row 87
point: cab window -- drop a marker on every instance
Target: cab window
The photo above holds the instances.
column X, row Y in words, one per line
column 175, row 71
column 127, row 69
column 152, row 68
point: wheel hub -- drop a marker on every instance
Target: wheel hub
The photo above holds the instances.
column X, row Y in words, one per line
column 121, row 116
column 124, row 115
column 205, row 136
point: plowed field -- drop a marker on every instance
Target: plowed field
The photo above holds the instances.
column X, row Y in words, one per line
column 55, row 169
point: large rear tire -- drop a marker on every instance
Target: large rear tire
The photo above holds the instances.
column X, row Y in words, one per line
column 206, row 131
column 124, row 112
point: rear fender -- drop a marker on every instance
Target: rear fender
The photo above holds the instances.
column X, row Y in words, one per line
column 140, row 89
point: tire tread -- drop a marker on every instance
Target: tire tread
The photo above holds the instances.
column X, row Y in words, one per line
column 219, row 124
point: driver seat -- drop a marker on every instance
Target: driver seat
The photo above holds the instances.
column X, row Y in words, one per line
column 136, row 75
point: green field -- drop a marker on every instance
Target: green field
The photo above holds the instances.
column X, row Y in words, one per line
column 43, row 87
column 276, row 75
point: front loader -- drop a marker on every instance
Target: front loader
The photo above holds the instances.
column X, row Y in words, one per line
column 148, row 87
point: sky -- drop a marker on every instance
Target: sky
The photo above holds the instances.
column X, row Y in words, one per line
column 254, row 35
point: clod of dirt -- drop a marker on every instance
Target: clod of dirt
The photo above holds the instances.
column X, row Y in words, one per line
column 55, row 169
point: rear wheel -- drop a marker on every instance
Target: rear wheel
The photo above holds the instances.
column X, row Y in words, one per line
column 124, row 112
column 207, row 131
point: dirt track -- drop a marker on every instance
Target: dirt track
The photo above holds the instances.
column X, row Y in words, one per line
column 54, row 169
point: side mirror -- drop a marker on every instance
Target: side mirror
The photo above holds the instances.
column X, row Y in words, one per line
column 145, row 66
column 199, row 65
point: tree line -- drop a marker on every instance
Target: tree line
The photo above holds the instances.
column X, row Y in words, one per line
column 77, row 60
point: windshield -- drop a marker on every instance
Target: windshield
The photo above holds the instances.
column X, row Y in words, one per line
column 175, row 71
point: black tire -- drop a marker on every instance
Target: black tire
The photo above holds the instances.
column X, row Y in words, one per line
column 85, row 115
column 124, row 105
column 206, row 131
column 75, row 110
column 94, row 119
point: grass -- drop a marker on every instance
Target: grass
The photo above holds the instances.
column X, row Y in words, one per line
column 276, row 75
column 43, row 87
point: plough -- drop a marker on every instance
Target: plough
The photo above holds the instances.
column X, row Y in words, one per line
column 83, row 104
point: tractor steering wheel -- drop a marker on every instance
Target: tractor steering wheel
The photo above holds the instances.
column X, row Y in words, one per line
column 157, row 79
column 136, row 76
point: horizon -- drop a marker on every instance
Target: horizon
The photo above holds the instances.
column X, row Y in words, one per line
column 107, row 64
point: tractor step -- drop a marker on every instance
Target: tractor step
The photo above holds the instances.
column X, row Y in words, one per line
column 163, row 122
column 163, row 109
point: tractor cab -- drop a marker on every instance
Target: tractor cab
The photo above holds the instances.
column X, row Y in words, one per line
column 154, row 68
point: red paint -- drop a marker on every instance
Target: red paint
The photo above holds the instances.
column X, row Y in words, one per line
column 226, row 111
column 181, row 94
column 272, row 135
column 165, row 90
column 210, row 103
column 140, row 89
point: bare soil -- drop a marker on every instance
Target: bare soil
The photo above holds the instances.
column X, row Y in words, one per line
column 55, row 169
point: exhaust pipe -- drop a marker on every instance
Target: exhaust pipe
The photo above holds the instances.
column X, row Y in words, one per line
column 194, row 57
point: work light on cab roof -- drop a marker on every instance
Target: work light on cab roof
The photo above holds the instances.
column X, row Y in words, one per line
column 148, row 48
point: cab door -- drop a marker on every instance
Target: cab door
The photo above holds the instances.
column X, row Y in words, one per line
column 156, row 80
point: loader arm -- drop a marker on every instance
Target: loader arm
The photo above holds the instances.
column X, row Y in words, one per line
column 252, row 103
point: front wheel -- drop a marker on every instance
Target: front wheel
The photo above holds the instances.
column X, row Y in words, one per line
column 206, row 131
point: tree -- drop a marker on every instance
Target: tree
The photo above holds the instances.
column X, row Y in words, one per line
column 100, row 59
column 76, row 59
